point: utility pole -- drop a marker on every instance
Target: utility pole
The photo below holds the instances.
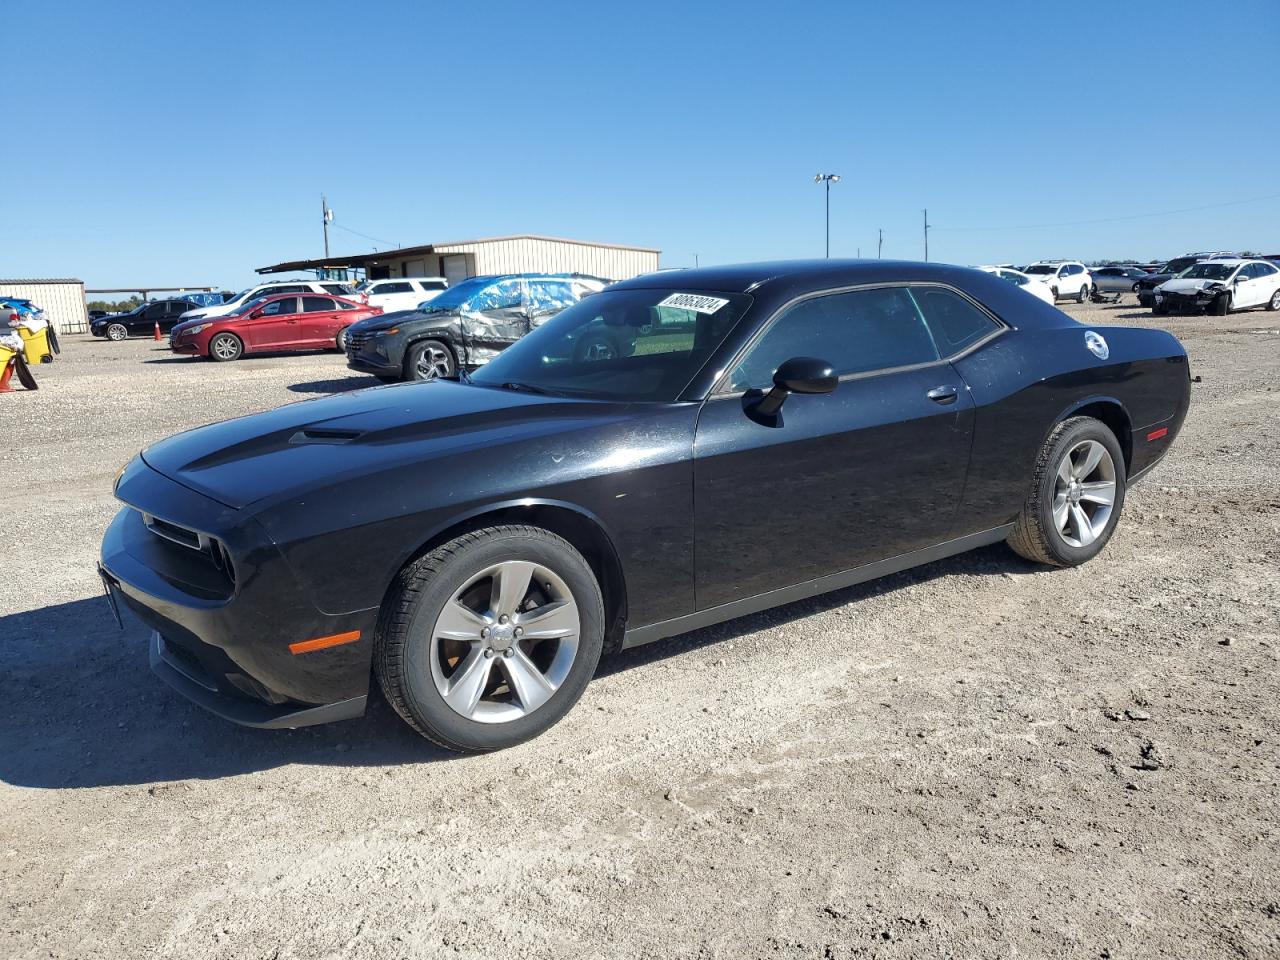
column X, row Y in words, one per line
column 926, row 235
column 325, row 216
column 880, row 244
column 828, row 179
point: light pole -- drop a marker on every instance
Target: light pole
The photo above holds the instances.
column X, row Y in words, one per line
column 828, row 179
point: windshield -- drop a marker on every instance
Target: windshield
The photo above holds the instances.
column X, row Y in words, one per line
column 1209, row 271
column 1040, row 268
column 248, row 306
column 457, row 296
column 643, row 345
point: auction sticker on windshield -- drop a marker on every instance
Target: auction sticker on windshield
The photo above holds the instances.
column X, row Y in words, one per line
column 693, row 301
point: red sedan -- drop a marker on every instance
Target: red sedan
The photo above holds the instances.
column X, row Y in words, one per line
column 272, row 324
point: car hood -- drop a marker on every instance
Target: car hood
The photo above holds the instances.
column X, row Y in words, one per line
column 385, row 321
column 1185, row 285
column 285, row 452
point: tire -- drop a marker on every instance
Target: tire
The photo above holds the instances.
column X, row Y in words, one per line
column 1221, row 306
column 117, row 332
column 225, row 346
column 1083, row 295
column 429, row 360
column 340, row 341
column 1159, row 309
column 1047, row 529
column 415, row 664
column 1274, row 302
column 1054, row 291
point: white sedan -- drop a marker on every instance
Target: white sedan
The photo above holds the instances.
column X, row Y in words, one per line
column 1220, row 287
column 1036, row 288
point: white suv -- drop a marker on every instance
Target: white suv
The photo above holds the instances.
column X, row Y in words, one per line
column 1068, row 279
column 401, row 293
column 333, row 287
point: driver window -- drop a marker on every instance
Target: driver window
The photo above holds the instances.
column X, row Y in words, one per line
column 279, row 307
column 856, row 332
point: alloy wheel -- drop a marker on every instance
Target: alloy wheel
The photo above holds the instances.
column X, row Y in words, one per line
column 1275, row 300
column 1084, row 493
column 225, row 348
column 505, row 641
column 434, row 362
column 116, row 332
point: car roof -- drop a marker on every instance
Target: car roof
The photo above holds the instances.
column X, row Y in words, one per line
column 797, row 274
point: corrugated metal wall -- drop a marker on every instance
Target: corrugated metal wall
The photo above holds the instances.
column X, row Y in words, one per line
column 535, row 255
column 61, row 300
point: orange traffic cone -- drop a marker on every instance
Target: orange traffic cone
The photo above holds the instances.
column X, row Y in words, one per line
column 6, row 376
column 157, row 333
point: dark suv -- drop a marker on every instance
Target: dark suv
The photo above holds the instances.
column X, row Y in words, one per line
column 1145, row 287
column 140, row 320
column 465, row 326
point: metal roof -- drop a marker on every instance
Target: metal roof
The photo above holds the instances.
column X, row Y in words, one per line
column 425, row 248
column 56, row 280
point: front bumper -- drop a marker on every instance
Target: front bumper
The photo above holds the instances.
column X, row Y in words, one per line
column 1185, row 302
column 186, row 676
column 224, row 627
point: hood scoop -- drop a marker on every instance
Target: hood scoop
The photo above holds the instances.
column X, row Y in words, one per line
column 325, row 435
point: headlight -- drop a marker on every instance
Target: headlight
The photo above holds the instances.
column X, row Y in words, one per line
column 196, row 329
column 385, row 333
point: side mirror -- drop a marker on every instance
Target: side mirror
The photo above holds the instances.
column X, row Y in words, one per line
column 797, row 375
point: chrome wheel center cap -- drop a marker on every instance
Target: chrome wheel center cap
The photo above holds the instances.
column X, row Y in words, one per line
column 1073, row 491
column 502, row 636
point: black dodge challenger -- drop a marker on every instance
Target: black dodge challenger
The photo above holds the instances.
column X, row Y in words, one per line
column 754, row 435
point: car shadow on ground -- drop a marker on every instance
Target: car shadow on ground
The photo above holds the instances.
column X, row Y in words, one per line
column 337, row 385
column 82, row 708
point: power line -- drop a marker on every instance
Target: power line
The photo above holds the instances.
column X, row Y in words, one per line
column 386, row 243
column 1135, row 216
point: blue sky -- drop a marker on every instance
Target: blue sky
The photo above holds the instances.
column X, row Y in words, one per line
column 174, row 143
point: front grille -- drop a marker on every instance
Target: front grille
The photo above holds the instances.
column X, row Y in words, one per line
column 357, row 341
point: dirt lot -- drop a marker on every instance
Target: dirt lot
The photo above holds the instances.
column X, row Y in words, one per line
column 978, row 758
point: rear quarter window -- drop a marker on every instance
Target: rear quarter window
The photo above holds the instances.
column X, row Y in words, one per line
column 956, row 324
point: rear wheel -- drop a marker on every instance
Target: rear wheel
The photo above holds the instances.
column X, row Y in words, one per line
column 491, row 638
column 117, row 332
column 225, row 346
column 1077, row 492
column 429, row 360
column 341, row 341
column 1083, row 295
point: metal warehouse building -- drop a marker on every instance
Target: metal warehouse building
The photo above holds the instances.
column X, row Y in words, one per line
column 61, row 300
column 525, row 253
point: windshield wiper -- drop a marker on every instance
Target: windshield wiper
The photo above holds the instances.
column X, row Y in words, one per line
column 524, row 388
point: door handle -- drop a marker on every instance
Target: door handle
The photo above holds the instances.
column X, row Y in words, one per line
column 943, row 394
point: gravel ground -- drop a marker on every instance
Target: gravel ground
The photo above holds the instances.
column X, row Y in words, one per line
column 978, row 758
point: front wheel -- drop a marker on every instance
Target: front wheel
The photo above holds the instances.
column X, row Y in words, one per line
column 1077, row 492
column 490, row 639
column 429, row 360
column 1274, row 302
column 1221, row 305
column 225, row 346
column 117, row 332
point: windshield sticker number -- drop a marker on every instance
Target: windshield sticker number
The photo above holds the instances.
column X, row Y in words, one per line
column 693, row 301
